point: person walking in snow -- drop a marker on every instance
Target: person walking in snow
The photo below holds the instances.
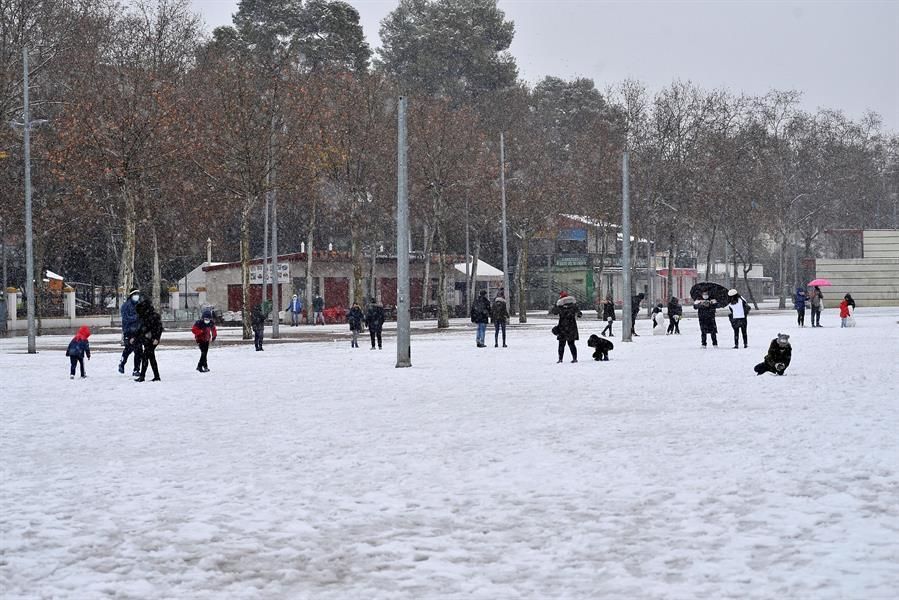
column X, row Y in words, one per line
column 374, row 318
column 355, row 319
column 778, row 358
column 296, row 310
column 566, row 331
column 499, row 313
column 318, row 307
column 635, row 310
column 608, row 315
column 739, row 314
column 130, row 325
column 817, row 303
column 148, row 336
column 675, row 312
column 257, row 322
column 204, row 334
column 799, row 305
column 480, row 315
column 706, row 307
column 78, row 348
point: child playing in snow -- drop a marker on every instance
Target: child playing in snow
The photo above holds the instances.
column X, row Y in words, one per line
column 78, row 348
column 778, row 358
column 204, row 333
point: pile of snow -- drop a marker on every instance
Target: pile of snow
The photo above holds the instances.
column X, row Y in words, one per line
column 313, row 470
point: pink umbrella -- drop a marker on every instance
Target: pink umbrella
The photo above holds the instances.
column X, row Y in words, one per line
column 818, row 282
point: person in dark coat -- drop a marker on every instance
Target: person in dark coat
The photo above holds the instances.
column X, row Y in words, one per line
column 374, row 318
column 318, row 308
column 480, row 315
column 608, row 315
column 566, row 331
column 355, row 319
column 148, row 335
column 130, row 325
column 799, row 305
column 257, row 322
column 738, row 315
column 499, row 313
column 602, row 345
column 78, row 348
column 675, row 312
column 706, row 308
column 778, row 358
column 204, row 334
column 635, row 310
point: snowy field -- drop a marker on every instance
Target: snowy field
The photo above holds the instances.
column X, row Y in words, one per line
column 312, row 470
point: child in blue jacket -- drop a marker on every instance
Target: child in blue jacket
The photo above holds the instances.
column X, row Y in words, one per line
column 78, row 348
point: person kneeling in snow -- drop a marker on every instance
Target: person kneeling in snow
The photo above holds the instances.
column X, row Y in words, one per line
column 778, row 358
column 602, row 345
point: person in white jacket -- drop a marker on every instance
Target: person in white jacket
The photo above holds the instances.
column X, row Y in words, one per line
column 739, row 311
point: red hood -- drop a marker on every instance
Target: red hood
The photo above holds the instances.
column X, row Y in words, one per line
column 84, row 332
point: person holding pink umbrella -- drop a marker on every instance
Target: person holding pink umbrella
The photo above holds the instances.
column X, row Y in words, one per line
column 817, row 303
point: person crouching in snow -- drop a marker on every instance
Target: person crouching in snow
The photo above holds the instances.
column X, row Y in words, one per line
column 78, row 348
column 602, row 345
column 204, row 333
column 778, row 358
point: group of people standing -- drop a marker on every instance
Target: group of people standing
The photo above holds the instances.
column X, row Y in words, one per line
column 815, row 302
column 483, row 312
column 141, row 331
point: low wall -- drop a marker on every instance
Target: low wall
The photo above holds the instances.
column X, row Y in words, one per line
column 60, row 323
column 871, row 281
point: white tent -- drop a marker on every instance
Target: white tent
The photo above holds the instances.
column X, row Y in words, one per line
column 486, row 272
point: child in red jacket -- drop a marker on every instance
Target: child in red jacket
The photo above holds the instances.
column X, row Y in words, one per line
column 78, row 348
column 204, row 333
column 844, row 312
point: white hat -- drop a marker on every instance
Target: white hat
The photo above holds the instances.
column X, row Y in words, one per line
column 732, row 292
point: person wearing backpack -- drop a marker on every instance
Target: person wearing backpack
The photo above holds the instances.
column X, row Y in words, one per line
column 78, row 348
column 500, row 315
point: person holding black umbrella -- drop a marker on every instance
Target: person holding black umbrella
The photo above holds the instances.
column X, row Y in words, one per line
column 706, row 307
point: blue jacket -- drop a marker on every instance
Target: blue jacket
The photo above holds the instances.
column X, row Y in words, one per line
column 130, row 320
column 295, row 306
column 799, row 302
column 79, row 348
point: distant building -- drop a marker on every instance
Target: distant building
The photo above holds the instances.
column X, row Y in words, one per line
column 873, row 278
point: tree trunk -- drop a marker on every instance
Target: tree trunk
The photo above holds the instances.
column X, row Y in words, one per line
column 473, row 275
column 372, row 289
column 746, row 270
column 442, row 308
column 708, row 254
column 310, row 239
column 603, row 252
column 156, row 285
column 782, row 302
column 672, row 253
column 126, row 265
column 521, row 276
column 356, row 251
column 426, row 280
column 245, row 270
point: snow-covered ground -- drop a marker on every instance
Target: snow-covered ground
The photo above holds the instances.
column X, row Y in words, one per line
column 312, row 470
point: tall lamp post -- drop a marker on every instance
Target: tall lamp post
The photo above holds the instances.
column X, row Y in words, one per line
column 26, row 124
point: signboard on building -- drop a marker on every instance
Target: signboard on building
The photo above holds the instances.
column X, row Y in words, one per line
column 256, row 273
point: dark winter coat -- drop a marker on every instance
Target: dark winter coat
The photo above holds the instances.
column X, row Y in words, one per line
column 608, row 311
column 355, row 318
column 480, row 310
column 374, row 317
column 706, row 309
column 568, row 313
column 257, row 318
column 150, row 324
column 204, row 332
column 675, row 309
column 130, row 320
column 499, row 313
column 318, row 304
column 635, row 306
column 799, row 301
column 778, row 354
column 79, row 347
column 816, row 299
column 602, row 345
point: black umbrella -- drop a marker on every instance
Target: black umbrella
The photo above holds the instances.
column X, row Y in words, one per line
column 715, row 290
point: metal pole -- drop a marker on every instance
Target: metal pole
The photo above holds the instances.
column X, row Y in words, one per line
column 403, row 350
column 29, row 241
column 467, row 259
column 265, row 245
column 502, row 187
column 626, row 249
column 276, row 297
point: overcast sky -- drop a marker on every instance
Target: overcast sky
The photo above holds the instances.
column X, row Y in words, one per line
column 840, row 54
